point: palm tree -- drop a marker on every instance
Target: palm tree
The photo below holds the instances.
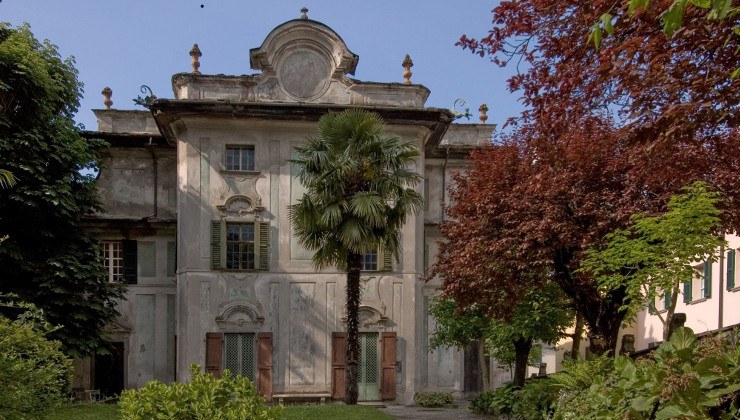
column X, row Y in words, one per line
column 6, row 178
column 359, row 193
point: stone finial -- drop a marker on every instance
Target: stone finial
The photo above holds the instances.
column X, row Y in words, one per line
column 107, row 93
column 196, row 54
column 304, row 13
column 407, row 64
column 483, row 116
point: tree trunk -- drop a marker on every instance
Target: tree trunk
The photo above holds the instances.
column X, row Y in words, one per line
column 601, row 312
column 484, row 362
column 575, row 351
column 522, row 346
column 354, row 265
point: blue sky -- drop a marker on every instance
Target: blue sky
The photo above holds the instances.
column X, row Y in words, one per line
column 124, row 44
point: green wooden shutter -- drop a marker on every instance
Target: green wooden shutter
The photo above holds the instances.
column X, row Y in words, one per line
column 687, row 298
column 385, row 260
column 651, row 307
column 666, row 300
column 130, row 263
column 262, row 245
column 707, row 279
column 217, row 247
column 730, row 269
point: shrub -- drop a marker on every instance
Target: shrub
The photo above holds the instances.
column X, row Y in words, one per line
column 35, row 375
column 498, row 402
column 535, row 400
column 433, row 399
column 232, row 397
column 681, row 379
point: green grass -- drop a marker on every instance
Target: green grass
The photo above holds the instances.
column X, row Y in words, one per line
column 332, row 411
column 291, row 412
column 85, row 412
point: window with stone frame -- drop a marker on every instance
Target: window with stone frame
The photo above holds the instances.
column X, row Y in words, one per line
column 120, row 258
column 240, row 245
column 240, row 158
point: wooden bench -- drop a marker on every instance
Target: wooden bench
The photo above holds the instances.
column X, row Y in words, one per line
column 299, row 396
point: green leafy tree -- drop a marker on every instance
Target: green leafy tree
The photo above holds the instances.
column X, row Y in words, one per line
column 459, row 328
column 656, row 254
column 47, row 259
column 359, row 194
column 34, row 372
column 540, row 316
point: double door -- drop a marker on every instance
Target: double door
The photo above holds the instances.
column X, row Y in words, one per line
column 376, row 366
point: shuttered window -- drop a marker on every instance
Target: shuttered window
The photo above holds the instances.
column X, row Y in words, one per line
column 113, row 259
column 377, row 261
column 240, row 246
column 120, row 260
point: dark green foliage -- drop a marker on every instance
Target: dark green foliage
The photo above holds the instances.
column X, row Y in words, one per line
column 542, row 315
column 681, row 379
column 233, row 397
column 455, row 327
column 433, row 399
column 47, row 259
column 34, row 373
column 532, row 401
column 498, row 402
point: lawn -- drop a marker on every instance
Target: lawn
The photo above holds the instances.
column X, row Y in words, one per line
column 291, row 412
column 332, row 411
column 85, row 412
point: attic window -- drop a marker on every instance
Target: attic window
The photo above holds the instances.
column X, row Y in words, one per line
column 240, row 158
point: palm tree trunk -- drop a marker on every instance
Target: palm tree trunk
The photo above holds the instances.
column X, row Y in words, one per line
column 354, row 265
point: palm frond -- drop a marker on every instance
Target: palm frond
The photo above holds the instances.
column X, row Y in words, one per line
column 6, row 178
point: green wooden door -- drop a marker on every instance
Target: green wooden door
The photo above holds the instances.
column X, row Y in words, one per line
column 369, row 367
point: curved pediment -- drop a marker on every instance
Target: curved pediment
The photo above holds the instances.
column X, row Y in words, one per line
column 239, row 313
column 301, row 61
column 306, row 39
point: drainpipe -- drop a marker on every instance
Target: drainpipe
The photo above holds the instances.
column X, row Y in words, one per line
column 155, row 179
column 721, row 291
column 444, row 182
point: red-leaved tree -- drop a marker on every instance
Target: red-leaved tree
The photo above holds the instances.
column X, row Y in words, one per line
column 607, row 133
